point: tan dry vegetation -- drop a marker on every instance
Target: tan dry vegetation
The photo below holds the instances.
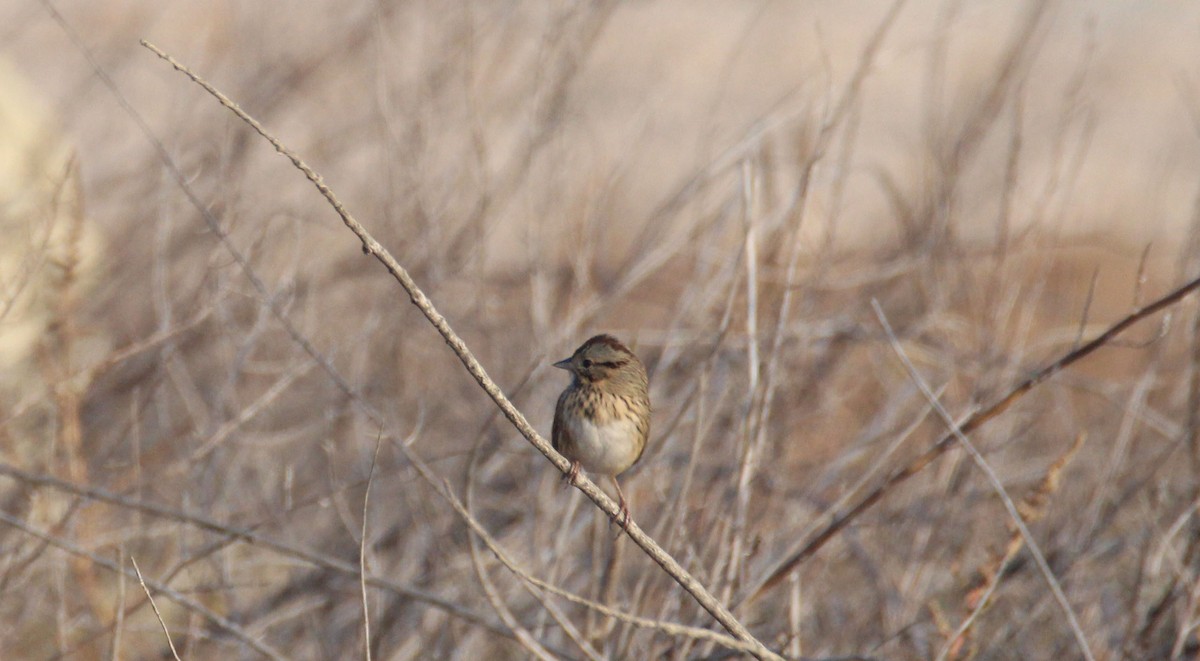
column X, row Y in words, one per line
column 725, row 186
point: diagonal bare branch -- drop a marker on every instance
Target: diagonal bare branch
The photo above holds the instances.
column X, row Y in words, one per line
column 810, row 546
column 372, row 247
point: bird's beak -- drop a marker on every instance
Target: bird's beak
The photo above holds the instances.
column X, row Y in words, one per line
column 564, row 364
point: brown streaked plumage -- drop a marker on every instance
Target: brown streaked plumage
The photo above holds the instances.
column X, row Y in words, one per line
column 602, row 420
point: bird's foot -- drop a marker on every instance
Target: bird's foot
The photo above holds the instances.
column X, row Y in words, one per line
column 570, row 476
column 622, row 517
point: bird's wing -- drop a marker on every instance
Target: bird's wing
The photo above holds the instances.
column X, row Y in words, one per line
column 559, row 435
column 643, row 427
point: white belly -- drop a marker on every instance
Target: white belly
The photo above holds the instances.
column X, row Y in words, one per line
column 604, row 449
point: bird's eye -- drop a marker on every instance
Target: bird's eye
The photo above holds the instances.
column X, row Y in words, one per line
column 587, row 362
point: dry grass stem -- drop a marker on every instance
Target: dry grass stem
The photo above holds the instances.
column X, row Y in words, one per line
column 362, row 550
column 157, row 614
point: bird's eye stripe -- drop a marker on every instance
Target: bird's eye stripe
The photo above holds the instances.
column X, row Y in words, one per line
column 614, row 363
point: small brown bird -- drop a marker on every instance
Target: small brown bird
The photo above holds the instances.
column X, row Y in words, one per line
column 602, row 419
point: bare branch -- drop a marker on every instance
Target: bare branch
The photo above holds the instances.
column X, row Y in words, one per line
column 805, row 550
column 372, row 247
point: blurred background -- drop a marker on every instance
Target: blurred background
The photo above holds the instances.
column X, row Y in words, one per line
column 724, row 186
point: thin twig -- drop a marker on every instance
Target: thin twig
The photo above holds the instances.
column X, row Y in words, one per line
column 362, row 550
column 196, row 607
column 118, row 626
column 1018, row 521
column 157, row 614
column 751, row 441
column 1087, row 306
column 275, row 308
column 1030, row 505
column 524, row 636
column 813, row 544
column 372, row 247
column 666, row 627
column 249, row 536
